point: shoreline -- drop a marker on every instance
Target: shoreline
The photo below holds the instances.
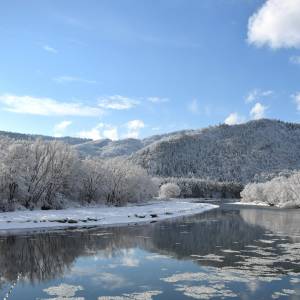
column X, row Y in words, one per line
column 266, row 205
column 70, row 218
column 260, row 204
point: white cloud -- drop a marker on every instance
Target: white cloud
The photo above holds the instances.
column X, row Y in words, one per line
column 255, row 94
column 50, row 49
column 60, row 128
column 46, row 106
column 101, row 131
column 193, row 106
column 296, row 98
column 234, row 118
column 258, row 111
column 158, row 99
column 111, row 133
column 295, row 60
column 276, row 24
column 133, row 128
column 117, row 102
column 93, row 134
column 71, row 79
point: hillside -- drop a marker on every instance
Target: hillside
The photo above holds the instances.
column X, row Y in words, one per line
column 237, row 153
column 225, row 153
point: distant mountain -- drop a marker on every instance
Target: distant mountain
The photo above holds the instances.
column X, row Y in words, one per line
column 107, row 148
column 225, row 153
column 28, row 137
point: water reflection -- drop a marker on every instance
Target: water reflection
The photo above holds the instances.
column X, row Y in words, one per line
column 194, row 256
column 282, row 222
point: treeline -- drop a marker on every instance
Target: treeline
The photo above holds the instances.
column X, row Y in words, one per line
column 199, row 188
column 47, row 175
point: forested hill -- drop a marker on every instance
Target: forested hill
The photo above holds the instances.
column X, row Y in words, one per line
column 225, row 153
column 237, row 153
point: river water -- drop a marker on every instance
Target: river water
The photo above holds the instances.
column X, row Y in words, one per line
column 232, row 252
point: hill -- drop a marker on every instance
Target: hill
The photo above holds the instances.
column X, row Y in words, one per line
column 225, row 153
column 239, row 153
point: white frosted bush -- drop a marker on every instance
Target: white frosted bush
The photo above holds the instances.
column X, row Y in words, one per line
column 169, row 190
column 281, row 191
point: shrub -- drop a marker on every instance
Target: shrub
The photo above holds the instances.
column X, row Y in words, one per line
column 281, row 191
column 169, row 190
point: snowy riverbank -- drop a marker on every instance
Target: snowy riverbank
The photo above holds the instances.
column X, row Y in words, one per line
column 256, row 203
column 289, row 204
column 100, row 216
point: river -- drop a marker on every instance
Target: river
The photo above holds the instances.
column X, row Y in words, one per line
column 232, row 252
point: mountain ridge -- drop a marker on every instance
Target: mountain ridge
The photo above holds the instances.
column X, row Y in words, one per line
column 226, row 153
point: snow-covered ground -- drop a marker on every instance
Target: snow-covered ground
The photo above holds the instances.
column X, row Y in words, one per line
column 77, row 217
column 256, row 203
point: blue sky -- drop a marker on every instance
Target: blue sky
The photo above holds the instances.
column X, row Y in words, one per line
column 134, row 68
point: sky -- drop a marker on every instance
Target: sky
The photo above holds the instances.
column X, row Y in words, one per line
column 134, row 68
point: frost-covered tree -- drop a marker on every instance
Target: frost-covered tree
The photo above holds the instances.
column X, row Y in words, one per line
column 11, row 173
column 281, row 191
column 125, row 182
column 49, row 167
column 36, row 173
column 92, row 179
column 169, row 190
